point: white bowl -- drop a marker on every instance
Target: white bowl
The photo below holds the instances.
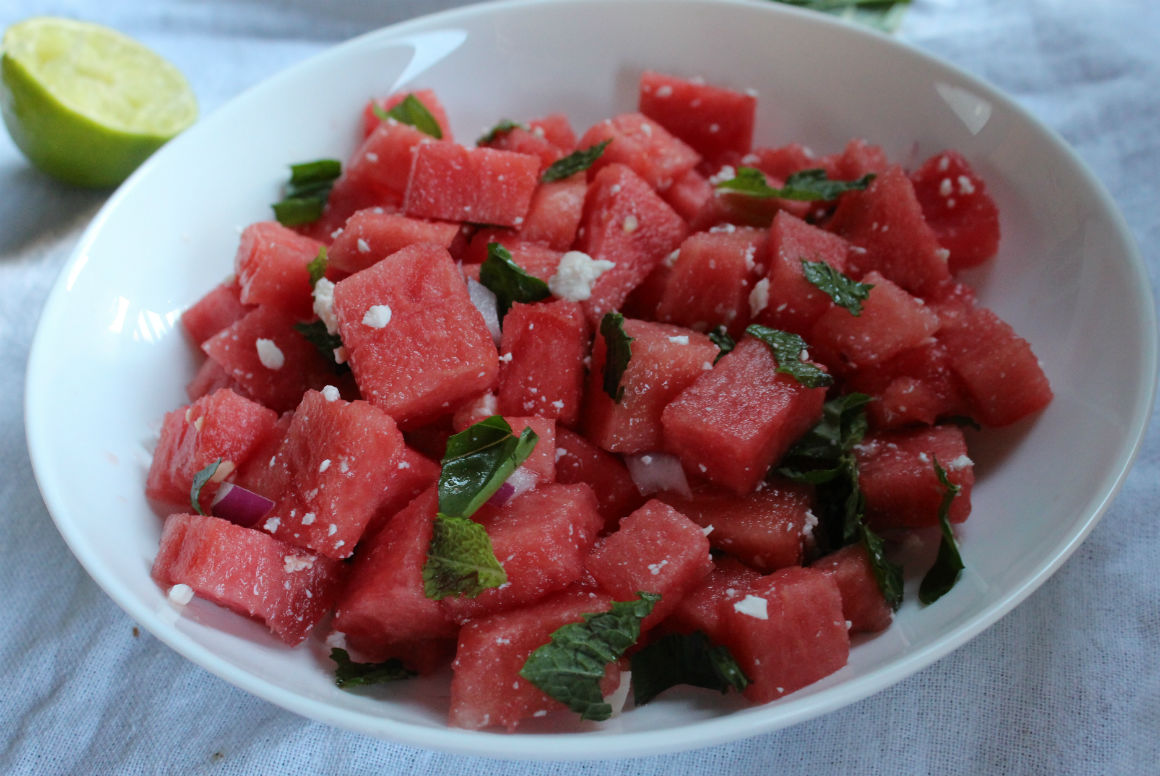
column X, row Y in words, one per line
column 109, row 358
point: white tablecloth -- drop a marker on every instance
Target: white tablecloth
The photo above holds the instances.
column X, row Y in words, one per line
column 1067, row 683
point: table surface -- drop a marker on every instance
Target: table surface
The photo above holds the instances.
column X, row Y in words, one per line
column 1067, row 683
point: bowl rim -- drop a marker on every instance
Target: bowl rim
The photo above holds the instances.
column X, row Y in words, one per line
column 576, row 746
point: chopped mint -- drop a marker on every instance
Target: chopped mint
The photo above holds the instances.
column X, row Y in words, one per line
column 460, row 559
column 199, row 481
column 502, row 128
column 570, row 666
column 684, row 658
column 723, row 341
column 348, row 673
column 413, row 112
column 948, row 564
column 618, row 352
column 887, row 574
column 509, row 281
column 573, row 163
column 806, row 185
column 787, row 350
column 317, row 267
column 307, row 191
column 326, row 343
column 845, row 291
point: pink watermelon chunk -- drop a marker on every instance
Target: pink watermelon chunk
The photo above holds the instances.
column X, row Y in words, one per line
column 767, row 529
column 801, row 638
column 863, row 604
column 858, row 158
column 329, row 474
column 700, row 609
column 220, row 307
column 413, row 474
column 711, row 119
column 710, row 281
column 736, row 420
column 541, row 539
column 286, row 588
column 376, row 174
column 480, row 185
column 578, row 460
column 644, row 145
column 221, row 425
column 915, row 386
column 537, row 260
column 793, row 303
column 209, row 378
column 542, row 354
column 416, row 344
column 956, row 204
column 271, row 265
column 555, row 211
column 430, row 101
column 689, row 195
column 557, row 130
column 373, row 234
column 382, row 610
column 486, row 687
column 897, row 476
column 656, row 549
column 665, row 360
column 625, row 222
column 530, row 142
column 783, row 161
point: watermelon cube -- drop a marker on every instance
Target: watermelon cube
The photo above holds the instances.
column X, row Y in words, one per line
column 783, row 161
column 711, row 119
column 416, row 344
column 542, row 354
column 413, row 474
column 858, row 158
column 786, row 632
column 700, row 609
column 578, row 460
column 710, row 281
column 372, row 120
column 957, row 207
column 209, row 378
column 689, row 195
column 480, row 185
column 536, row 259
column 863, row 604
column 271, row 266
column 736, row 420
column 915, row 386
column 486, row 687
column 557, row 130
column 527, row 141
column 286, row 588
column 376, row 174
column 220, row 307
column 656, row 549
column 665, row 360
column 897, row 476
column 373, row 234
column 793, row 303
column 644, row 145
column 555, row 211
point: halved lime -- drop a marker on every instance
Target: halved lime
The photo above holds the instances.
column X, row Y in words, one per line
column 85, row 103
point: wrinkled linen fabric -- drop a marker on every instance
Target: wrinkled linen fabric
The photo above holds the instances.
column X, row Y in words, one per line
column 1068, row 683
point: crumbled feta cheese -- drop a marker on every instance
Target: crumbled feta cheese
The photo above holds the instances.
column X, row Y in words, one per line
column 707, row 530
column 293, row 563
column 680, row 339
column 671, row 259
column 664, row 91
column 324, row 466
column 965, row 185
column 363, row 246
column 759, row 297
column 377, row 316
column 576, row 274
column 961, row 462
column 655, row 568
column 726, row 173
column 330, row 393
column 630, row 224
column 324, row 304
column 558, row 404
column 269, row 354
column 308, row 518
column 272, row 524
column 945, row 187
column 332, row 530
column 181, row 594
column 754, row 606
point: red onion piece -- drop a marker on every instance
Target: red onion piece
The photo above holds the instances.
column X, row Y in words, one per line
column 519, row 482
column 653, row 472
column 503, row 495
column 484, row 301
column 240, row 506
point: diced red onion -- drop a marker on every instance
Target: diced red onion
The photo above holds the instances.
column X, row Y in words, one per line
column 653, row 472
column 519, row 482
column 240, row 506
column 484, row 301
column 503, row 495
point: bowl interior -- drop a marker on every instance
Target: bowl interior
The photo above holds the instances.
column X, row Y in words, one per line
column 1067, row 278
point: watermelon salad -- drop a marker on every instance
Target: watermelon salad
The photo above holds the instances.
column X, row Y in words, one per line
column 579, row 416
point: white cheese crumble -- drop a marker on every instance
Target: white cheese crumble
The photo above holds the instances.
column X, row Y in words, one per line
column 181, row 594
column 680, row 339
column 630, row 224
column 272, row 524
column 363, row 246
column 330, row 393
column 671, row 259
column 269, row 354
column 324, row 304
column 754, row 606
column 726, row 173
column 961, row 462
column 324, row 466
column 308, row 518
column 655, row 568
column 377, row 316
column 293, row 563
column 759, row 297
column 576, row 274
column 664, row 91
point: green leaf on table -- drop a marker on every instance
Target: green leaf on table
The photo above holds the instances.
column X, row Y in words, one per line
column 844, row 291
column 787, row 350
column 570, row 667
column 684, row 658
column 199, row 481
column 618, row 352
column 948, row 564
column 509, row 281
column 348, row 673
column 575, row 162
column 410, row 110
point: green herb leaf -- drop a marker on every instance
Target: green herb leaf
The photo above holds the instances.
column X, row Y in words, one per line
column 307, row 191
column 883, row 15
column 570, row 666
column 326, row 343
column 681, row 658
column 573, row 163
column 948, row 564
column 509, row 281
column 805, row 186
column 844, row 291
column 348, row 673
column 963, row 421
column 887, row 574
column 618, row 352
column 723, row 341
column 199, row 481
column 460, row 559
column 502, row 128
column 317, row 267
column 478, row 461
column 413, row 112
column 787, row 350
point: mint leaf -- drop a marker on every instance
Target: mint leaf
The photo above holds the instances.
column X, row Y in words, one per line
column 307, row 191
column 502, row 128
column 317, row 267
column 844, row 291
column 570, row 666
column 573, row 163
column 618, row 352
column 326, row 343
column 948, row 563
column 509, row 281
column 199, row 481
column 887, row 574
column 883, row 15
column 787, row 350
column 723, row 341
column 684, row 658
column 477, row 462
column 805, row 185
column 413, row 112
column 348, row 673
column 460, row 559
